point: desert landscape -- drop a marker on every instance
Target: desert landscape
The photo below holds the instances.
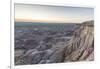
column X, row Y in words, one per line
column 45, row 34
column 53, row 43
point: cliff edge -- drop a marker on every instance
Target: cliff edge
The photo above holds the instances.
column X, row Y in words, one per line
column 81, row 45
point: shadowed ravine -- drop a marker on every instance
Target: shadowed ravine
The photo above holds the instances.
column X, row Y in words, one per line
column 79, row 46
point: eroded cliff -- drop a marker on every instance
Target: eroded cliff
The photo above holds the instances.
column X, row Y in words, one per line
column 81, row 46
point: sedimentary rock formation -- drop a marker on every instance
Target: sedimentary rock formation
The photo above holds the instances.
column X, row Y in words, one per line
column 82, row 43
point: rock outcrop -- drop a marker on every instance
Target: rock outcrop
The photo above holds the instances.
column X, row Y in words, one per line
column 81, row 46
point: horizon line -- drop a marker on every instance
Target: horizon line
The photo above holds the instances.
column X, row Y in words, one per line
column 36, row 20
column 45, row 21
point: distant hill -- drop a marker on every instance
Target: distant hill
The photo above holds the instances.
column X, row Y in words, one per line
column 51, row 26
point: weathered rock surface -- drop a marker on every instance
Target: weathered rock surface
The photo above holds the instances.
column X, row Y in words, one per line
column 82, row 43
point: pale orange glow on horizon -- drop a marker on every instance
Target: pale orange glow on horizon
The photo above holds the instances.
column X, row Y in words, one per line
column 54, row 20
column 41, row 20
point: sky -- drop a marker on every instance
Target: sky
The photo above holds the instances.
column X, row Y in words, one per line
column 45, row 13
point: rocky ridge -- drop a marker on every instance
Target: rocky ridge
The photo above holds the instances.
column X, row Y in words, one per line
column 81, row 45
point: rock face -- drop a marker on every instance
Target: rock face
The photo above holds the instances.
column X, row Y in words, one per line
column 79, row 46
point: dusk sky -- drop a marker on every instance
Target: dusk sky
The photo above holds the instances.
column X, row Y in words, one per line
column 24, row 12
